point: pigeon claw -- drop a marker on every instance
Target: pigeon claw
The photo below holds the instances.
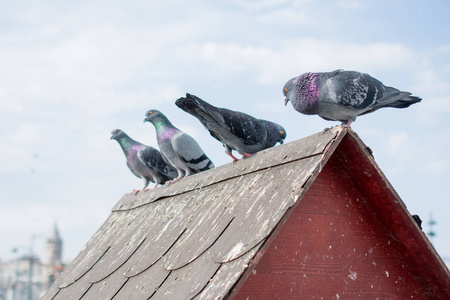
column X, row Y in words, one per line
column 173, row 180
column 347, row 124
column 232, row 156
column 136, row 191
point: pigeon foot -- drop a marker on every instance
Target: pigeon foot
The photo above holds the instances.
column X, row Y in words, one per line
column 174, row 180
column 347, row 124
column 232, row 156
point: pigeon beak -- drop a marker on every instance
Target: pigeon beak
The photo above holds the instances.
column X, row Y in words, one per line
column 281, row 142
column 286, row 100
column 145, row 120
column 111, row 137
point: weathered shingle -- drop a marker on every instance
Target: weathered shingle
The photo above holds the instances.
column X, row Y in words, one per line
column 195, row 238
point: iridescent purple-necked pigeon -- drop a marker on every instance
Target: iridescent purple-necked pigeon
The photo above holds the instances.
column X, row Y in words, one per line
column 342, row 95
column 177, row 148
column 144, row 161
column 236, row 130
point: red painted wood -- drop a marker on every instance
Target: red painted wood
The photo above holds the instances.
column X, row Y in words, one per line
column 340, row 242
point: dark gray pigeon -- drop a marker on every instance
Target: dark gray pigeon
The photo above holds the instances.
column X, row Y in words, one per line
column 342, row 95
column 177, row 148
column 144, row 161
column 236, row 130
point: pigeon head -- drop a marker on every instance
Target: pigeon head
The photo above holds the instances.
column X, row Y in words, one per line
column 276, row 133
column 152, row 114
column 288, row 88
column 282, row 135
column 303, row 92
column 116, row 134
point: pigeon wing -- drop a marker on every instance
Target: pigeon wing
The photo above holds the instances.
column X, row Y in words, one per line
column 357, row 90
column 249, row 129
column 153, row 159
column 189, row 151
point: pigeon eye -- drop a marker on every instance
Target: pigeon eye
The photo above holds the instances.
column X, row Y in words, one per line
column 151, row 113
column 286, row 90
column 117, row 131
column 282, row 132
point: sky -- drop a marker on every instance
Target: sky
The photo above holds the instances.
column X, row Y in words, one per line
column 72, row 71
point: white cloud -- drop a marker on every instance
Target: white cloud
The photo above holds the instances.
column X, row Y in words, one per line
column 271, row 4
column 397, row 145
column 352, row 4
column 27, row 134
column 437, row 166
column 7, row 104
column 430, row 82
column 269, row 64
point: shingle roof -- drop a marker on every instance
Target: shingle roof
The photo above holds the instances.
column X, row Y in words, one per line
column 195, row 238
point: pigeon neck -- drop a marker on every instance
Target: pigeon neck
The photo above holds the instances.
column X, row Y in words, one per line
column 126, row 143
column 162, row 123
column 308, row 91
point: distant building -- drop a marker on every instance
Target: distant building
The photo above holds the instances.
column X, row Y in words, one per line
column 52, row 263
column 27, row 277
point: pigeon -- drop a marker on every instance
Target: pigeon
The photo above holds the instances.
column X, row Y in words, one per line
column 418, row 220
column 236, row 130
column 342, row 95
column 177, row 148
column 144, row 161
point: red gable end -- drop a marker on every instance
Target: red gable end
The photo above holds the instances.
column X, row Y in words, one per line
column 349, row 237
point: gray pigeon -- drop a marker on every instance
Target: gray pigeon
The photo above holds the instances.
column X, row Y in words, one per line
column 177, row 148
column 236, row 130
column 144, row 161
column 342, row 95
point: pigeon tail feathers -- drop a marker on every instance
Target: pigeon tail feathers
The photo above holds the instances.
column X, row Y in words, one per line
column 397, row 99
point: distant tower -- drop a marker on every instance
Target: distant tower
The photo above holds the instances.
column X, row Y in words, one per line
column 53, row 256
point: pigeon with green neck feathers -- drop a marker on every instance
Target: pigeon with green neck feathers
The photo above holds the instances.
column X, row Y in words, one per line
column 144, row 161
column 177, row 148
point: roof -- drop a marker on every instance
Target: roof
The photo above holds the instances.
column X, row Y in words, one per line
column 200, row 237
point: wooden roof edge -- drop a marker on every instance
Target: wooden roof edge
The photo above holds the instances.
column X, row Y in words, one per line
column 313, row 145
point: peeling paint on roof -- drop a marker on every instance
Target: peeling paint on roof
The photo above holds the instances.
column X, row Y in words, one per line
column 195, row 238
